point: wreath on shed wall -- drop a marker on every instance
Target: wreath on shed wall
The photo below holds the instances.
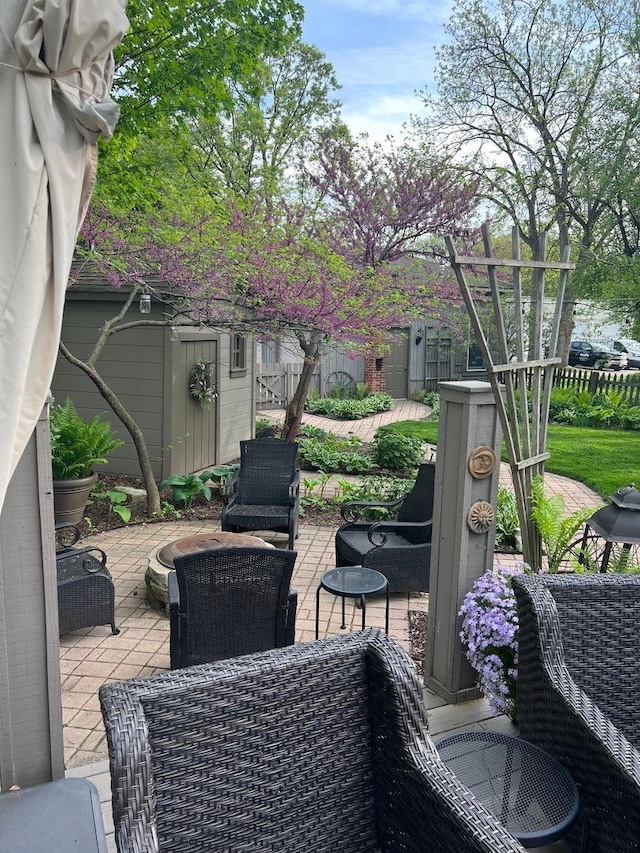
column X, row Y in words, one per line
column 202, row 382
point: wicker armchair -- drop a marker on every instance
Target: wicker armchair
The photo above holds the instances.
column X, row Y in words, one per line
column 225, row 602
column 400, row 549
column 318, row 747
column 86, row 594
column 264, row 493
column 577, row 692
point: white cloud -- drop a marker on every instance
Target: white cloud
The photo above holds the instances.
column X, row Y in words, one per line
column 382, row 115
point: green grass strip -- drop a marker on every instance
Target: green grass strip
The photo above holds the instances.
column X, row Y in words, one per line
column 603, row 459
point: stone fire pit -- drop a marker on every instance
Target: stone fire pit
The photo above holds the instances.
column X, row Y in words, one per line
column 161, row 563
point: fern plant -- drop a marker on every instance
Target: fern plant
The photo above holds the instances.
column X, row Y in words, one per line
column 556, row 529
column 78, row 445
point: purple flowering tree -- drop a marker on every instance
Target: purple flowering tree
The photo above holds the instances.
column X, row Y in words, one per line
column 267, row 273
column 489, row 627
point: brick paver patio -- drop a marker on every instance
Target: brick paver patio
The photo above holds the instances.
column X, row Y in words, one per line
column 89, row 658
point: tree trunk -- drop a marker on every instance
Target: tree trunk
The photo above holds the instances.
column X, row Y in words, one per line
column 295, row 409
column 567, row 324
column 151, row 487
column 313, row 351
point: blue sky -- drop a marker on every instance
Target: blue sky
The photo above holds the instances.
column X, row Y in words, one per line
column 382, row 51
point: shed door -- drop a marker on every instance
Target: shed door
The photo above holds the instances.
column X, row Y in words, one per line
column 397, row 362
column 194, row 444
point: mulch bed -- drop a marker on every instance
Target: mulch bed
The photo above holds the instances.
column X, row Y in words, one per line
column 99, row 517
column 418, row 637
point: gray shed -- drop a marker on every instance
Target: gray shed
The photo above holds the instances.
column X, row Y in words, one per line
column 148, row 368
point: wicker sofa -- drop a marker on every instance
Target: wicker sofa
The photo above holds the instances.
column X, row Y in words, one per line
column 317, row 747
column 577, row 691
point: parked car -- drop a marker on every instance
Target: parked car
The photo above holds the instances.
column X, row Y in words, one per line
column 631, row 348
column 595, row 354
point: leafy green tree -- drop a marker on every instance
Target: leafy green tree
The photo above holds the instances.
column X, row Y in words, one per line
column 181, row 60
column 176, row 57
column 265, row 119
column 538, row 100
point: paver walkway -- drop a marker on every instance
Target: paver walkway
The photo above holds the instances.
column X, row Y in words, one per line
column 91, row 657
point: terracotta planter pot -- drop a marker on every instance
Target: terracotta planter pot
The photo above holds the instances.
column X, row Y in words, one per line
column 70, row 498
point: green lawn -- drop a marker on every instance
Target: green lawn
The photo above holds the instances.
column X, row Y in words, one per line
column 602, row 459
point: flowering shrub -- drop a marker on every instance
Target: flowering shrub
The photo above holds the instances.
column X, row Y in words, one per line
column 489, row 626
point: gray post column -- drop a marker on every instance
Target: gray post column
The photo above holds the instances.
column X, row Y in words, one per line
column 31, row 743
column 469, row 437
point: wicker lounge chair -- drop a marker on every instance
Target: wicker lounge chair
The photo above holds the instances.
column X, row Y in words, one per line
column 400, row 549
column 577, row 692
column 86, row 594
column 264, row 493
column 318, row 747
column 225, row 602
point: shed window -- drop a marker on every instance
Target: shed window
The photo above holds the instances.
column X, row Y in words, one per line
column 238, row 353
column 475, row 360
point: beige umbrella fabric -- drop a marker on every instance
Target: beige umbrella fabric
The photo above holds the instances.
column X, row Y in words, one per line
column 56, row 69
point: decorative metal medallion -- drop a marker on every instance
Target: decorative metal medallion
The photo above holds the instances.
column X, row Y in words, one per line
column 482, row 461
column 480, row 517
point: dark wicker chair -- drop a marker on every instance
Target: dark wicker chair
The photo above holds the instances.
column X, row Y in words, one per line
column 400, row 549
column 264, row 493
column 86, row 594
column 577, row 692
column 225, row 602
column 318, row 747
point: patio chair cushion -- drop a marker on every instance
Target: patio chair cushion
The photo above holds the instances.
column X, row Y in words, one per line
column 354, row 546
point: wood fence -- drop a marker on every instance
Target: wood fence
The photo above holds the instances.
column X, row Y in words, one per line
column 277, row 382
column 595, row 382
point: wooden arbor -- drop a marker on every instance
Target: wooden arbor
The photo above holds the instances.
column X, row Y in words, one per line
column 523, row 416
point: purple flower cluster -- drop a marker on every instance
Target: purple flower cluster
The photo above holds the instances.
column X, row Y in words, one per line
column 489, row 626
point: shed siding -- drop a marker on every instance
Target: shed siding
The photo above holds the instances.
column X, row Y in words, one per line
column 132, row 365
column 236, row 402
column 148, row 369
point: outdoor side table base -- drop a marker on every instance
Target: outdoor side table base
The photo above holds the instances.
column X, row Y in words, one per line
column 353, row 582
column 528, row 790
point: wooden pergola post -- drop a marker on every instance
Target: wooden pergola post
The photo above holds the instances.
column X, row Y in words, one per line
column 523, row 416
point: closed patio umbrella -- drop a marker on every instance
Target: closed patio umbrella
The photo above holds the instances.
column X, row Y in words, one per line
column 56, row 69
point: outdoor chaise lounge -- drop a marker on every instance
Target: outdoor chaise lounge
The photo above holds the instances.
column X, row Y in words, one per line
column 264, row 493
column 320, row 747
column 400, row 549
column 225, row 602
column 578, row 692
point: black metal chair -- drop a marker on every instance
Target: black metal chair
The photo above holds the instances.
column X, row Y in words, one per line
column 225, row 602
column 264, row 493
column 319, row 747
column 86, row 594
column 400, row 549
column 577, row 692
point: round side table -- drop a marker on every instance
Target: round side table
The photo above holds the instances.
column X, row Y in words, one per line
column 528, row 790
column 353, row 582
